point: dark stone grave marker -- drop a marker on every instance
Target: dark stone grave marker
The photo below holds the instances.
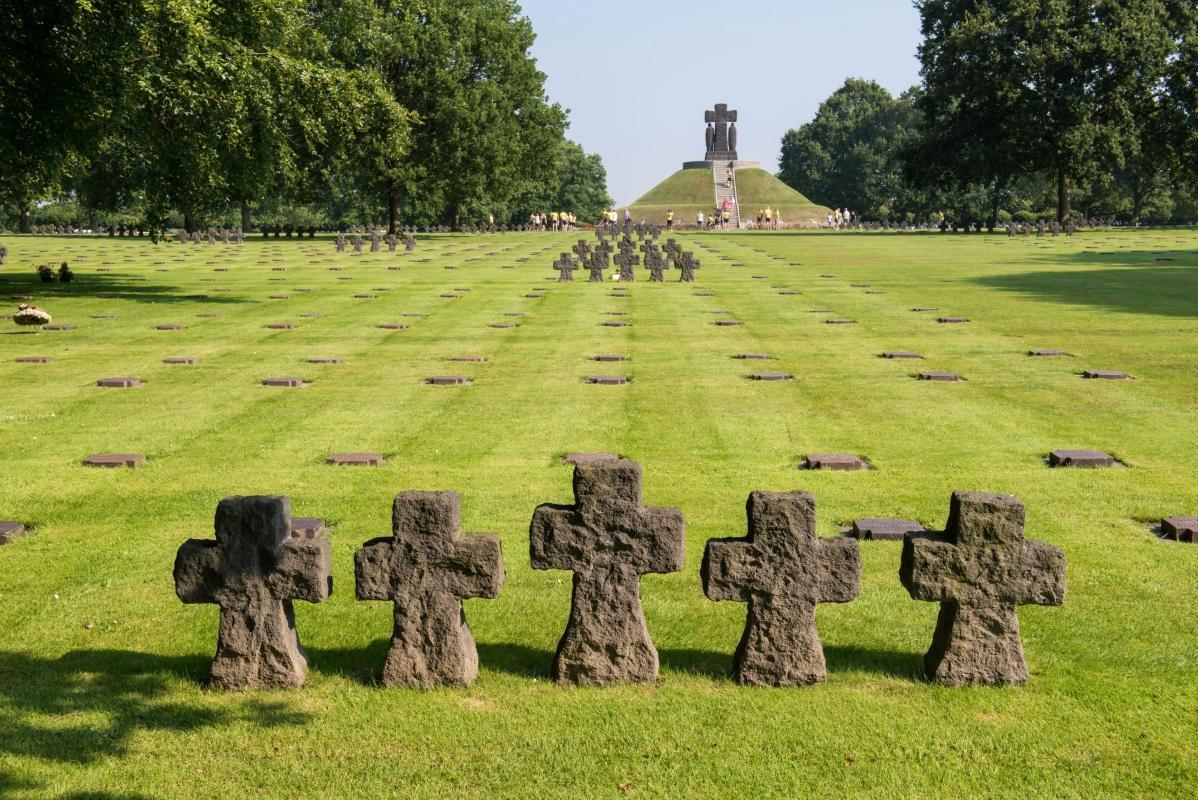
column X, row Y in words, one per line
column 254, row 570
column 425, row 568
column 115, row 461
column 840, row 462
column 608, row 539
column 979, row 570
column 355, row 459
column 884, row 529
column 783, row 571
column 1085, row 459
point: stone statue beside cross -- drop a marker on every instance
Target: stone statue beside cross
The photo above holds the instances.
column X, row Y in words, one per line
column 979, row 570
column 721, row 133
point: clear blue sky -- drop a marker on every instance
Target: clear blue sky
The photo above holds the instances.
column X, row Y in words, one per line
column 637, row 76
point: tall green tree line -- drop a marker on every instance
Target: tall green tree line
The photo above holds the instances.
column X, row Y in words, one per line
column 189, row 110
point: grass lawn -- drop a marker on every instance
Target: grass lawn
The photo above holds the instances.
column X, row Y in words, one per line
column 101, row 667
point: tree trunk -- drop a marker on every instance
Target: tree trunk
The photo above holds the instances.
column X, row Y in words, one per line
column 393, row 211
column 995, row 202
column 1137, row 202
column 26, row 225
column 1062, row 196
column 245, row 216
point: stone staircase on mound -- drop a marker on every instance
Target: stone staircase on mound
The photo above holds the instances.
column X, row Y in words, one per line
column 723, row 191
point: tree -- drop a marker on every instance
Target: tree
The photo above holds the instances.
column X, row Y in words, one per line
column 485, row 125
column 848, row 156
column 578, row 184
column 1015, row 86
column 54, row 71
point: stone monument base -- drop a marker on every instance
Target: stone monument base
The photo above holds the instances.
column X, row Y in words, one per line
column 721, row 164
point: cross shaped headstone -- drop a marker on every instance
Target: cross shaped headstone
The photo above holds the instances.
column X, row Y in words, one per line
column 253, row 571
column 340, row 243
column 565, row 267
column 425, row 568
column 656, row 264
column 608, row 539
column 782, row 570
column 626, row 261
column 596, row 263
column 979, row 570
column 688, row 264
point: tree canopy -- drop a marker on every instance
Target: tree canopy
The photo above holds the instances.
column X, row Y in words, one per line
column 361, row 110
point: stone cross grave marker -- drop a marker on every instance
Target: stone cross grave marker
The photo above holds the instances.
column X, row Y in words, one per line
column 253, row 570
column 596, row 263
column 626, row 261
column 565, row 267
column 426, row 567
column 608, row 539
column 979, row 570
column 782, row 570
column 340, row 243
column 688, row 264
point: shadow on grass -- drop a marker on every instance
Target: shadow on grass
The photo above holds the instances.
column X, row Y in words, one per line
column 86, row 705
column 891, row 663
column 88, row 286
column 103, row 796
column 1124, row 286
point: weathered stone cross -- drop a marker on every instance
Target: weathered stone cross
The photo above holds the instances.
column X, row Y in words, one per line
column 626, row 261
column 596, row 263
column 688, row 264
column 608, row 539
column 565, row 267
column 425, row 568
column 979, row 570
column 253, row 571
column 782, row 570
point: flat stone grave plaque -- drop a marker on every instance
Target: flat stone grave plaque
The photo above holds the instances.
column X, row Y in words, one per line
column 840, row 321
column 392, row 326
column 355, row 459
column 726, row 323
column 702, row 294
column 753, row 357
column 286, row 383
column 502, row 325
column 588, row 458
column 609, row 357
column 841, row 462
column 103, row 316
column 451, row 296
column 279, row 326
column 771, row 376
column 513, row 313
column 168, row 327
column 119, row 383
column 534, row 296
column 884, row 529
column 323, row 360
column 34, row 360
column 280, row 297
column 208, row 316
column 115, row 460
column 944, row 377
column 787, row 292
column 951, row 320
column 413, row 314
column 10, row 531
column 607, row 380
column 615, row 324
column 900, row 354
column 1045, row 353
column 922, row 309
column 1085, row 459
column 472, row 359
column 1105, row 375
column 58, row 327
column 1180, row 529
column 448, row 380
column 180, row 360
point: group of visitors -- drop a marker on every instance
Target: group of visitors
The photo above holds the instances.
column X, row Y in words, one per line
column 553, row 221
column 768, row 219
column 842, row 218
column 719, row 219
column 611, row 218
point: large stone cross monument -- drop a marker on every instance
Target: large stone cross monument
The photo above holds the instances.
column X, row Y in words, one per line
column 720, row 141
column 721, row 133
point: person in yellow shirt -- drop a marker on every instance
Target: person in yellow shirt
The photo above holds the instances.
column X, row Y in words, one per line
column 769, row 218
column 553, row 220
column 670, row 218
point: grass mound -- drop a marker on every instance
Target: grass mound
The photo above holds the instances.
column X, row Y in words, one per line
column 689, row 191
